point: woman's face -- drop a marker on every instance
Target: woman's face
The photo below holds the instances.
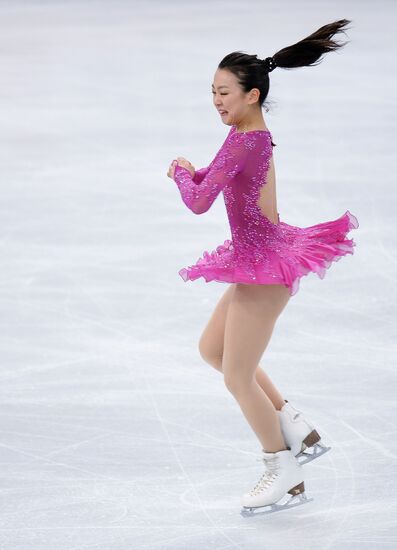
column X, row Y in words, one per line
column 229, row 99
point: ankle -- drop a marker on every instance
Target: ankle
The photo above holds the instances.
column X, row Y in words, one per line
column 280, row 404
column 277, row 450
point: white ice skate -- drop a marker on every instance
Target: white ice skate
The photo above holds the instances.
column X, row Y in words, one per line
column 300, row 435
column 283, row 476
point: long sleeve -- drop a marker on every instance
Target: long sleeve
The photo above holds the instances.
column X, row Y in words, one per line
column 229, row 161
column 200, row 174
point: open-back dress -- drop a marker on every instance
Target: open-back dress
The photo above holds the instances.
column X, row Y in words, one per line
column 262, row 248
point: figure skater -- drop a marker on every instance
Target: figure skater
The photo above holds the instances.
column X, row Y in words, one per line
column 263, row 262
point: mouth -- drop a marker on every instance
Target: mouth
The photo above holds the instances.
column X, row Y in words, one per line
column 223, row 113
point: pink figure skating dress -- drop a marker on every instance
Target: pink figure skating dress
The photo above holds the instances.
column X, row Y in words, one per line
column 261, row 250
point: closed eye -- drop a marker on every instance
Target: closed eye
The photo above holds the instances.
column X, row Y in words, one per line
column 221, row 94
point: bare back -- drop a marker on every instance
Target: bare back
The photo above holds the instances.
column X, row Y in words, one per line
column 267, row 201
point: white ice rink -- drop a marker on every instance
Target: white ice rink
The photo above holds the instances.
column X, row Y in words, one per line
column 115, row 434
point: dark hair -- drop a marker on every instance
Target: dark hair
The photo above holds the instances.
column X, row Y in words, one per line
column 252, row 72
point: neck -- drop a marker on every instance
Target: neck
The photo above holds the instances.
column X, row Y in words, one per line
column 255, row 122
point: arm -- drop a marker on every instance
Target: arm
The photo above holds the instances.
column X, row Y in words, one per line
column 229, row 161
column 200, row 174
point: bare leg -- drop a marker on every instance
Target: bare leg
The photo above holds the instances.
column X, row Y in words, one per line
column 212, row 343
column 250, row 320
column 269, row 388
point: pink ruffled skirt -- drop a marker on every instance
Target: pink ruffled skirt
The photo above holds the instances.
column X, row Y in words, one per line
column 301, row 250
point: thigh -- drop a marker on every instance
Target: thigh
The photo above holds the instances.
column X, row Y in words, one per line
column 211, row 340
column 251, row 317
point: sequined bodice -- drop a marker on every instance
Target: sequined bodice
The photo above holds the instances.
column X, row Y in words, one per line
column 249, row 225
column 239, row 170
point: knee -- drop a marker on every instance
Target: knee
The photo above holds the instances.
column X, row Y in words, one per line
column 235, row 382
column 213, row 359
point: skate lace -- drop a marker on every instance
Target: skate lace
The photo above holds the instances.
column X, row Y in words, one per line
column 271, row 473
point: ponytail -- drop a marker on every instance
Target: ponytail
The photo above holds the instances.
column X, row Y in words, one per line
column 309, row 50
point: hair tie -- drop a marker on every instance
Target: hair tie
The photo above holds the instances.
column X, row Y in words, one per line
column 270, row 64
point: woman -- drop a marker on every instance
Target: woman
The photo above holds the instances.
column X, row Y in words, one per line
column 263, row 262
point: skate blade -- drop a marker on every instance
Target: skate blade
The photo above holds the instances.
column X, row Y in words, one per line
column 295, row 500
column 318, row 450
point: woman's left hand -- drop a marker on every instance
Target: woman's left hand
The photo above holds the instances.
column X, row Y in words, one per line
column 181, row 161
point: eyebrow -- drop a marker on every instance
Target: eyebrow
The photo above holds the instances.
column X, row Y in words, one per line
column 220, row 86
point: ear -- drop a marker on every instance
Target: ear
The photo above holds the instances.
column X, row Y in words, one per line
column 254, row 95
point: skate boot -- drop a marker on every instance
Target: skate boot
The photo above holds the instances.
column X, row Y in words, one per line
column 283, row 477
column 300, row 435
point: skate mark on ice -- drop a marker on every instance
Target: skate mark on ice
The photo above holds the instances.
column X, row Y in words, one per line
column 370, row 442
column 183, row 470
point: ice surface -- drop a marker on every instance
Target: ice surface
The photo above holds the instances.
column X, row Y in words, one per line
column 114, row 432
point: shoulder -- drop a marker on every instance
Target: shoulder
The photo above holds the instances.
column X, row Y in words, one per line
column 247, row 141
